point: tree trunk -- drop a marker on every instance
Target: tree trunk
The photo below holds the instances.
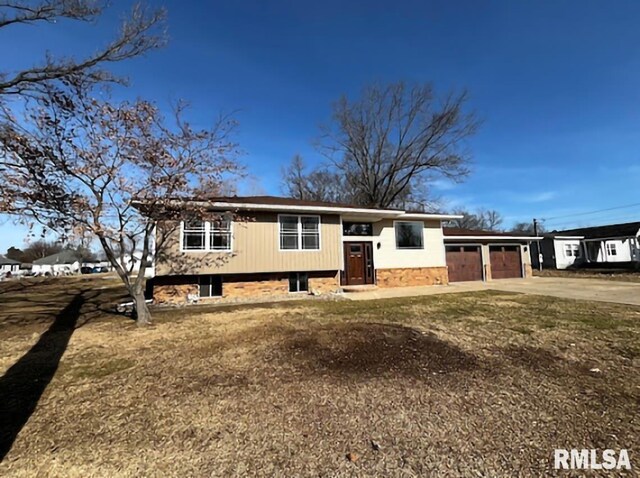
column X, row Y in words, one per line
column 143, row 316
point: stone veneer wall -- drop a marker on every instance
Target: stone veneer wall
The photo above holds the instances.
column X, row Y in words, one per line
column 528, row 270
column 412, row 277
column 177, row 289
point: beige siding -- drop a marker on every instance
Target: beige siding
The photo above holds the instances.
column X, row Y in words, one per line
column 255, row 249
column 388, row 257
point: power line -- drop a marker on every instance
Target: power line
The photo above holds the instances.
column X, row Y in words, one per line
column 567, row 224
column 591, row 212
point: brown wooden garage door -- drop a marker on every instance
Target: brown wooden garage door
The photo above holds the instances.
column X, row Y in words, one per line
column 505, row 262
column 464, row 263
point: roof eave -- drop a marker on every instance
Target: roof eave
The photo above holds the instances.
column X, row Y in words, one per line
column 493, row 238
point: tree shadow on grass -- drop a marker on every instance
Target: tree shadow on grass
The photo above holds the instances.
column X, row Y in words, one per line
column 24, row 383
column 374, row 349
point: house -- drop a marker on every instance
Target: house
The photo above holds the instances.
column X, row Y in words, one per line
column 614, row 244
column 268, row 246
column 8, row 265
column 486, row 255
column 62, row 263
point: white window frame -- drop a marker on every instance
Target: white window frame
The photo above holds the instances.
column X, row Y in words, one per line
column 207, row 239
column 612, row 249
column 572, row 250
column 395, row 236
column 300, row 249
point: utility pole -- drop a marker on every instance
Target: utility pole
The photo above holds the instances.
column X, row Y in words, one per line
column 535, row 233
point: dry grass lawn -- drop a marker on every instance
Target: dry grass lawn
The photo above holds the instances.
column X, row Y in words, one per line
column 480, row 384
column 620, row 275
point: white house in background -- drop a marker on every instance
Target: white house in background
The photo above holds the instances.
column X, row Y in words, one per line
column 8, row 265
column 62, row 263
column 617, row 244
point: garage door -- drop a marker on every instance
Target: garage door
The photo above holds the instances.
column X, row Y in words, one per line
column 505, row 262
column 464, row 263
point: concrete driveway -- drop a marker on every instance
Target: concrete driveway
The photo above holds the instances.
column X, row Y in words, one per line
column 582, row 289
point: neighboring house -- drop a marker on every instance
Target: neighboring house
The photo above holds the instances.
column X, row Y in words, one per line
column 62, row 263
column 278, row 246
column 616, row 244
column 485, row 255
column 8, row 265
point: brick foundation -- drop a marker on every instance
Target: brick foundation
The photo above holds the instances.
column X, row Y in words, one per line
column 239, row 287
column 408, row 277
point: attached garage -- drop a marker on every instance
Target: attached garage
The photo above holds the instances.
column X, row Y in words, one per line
column 505, row 261
column 464, row 262
column 486, row 255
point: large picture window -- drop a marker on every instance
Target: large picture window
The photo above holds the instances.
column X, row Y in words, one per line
column 409, row 235
column 207, row 235
column 299, row 233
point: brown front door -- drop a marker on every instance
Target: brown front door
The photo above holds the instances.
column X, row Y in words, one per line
column 464, row 263
column 358, row 263
column 505, row 262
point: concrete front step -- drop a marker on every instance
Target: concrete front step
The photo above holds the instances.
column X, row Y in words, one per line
column 359, row 288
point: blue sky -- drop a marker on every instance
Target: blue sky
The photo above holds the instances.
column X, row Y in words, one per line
column 556, row 84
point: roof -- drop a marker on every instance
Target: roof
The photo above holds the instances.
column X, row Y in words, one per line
column 460, row 232
column 627, row 229
column 64, row 257
column 281, row 204
column 5, row 260
column 283, row 201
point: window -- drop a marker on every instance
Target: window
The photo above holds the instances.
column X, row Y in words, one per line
column 207, row 236
column 357, row 229
column 220, row 235
column 194, row 236
column 572, row 250
column 210, row 286
column 409, row 235
column 611, row 249
column 299, row 233
column 298, row 282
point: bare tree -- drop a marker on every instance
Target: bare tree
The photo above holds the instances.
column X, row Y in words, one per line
column 396, row 138
column 78, row 162
column 39, row 249
column 319, row 184
column 525, row 228
column 483, row 220
column 140, row 32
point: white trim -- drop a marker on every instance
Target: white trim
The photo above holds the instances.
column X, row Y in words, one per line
column 493, row 238
column 395, row 237
column 300, row 249
column 567, row 237
column 207, row 239
column 313, row 209
column 416, row 216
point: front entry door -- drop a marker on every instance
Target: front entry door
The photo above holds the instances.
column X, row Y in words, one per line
column 358, row 263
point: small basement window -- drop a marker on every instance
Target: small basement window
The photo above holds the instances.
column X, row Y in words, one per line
column 298, row 282
column 210, row 286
